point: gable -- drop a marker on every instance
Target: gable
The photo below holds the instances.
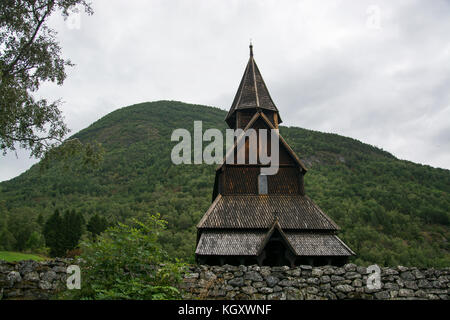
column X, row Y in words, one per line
column 275, row 233
column 260, row 121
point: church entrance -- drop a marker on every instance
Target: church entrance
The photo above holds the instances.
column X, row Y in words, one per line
column 276, row 251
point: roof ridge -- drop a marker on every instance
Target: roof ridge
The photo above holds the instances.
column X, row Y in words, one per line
column 254, row 80
column 346, row 246
column 207, row 213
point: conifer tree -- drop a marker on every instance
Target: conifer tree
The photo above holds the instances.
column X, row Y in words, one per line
column 72, row 229
column 52, row 234
column 7, row 240
column 97, row 225
column 62, row 233
column 40, row 220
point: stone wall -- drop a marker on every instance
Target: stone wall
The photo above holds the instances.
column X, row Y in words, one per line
column 306, row 282
column 32, row 280
column 41, row 280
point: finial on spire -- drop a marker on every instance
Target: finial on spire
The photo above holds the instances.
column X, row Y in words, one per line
column 251, row 48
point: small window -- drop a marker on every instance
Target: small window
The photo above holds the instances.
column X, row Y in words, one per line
column 262, row 184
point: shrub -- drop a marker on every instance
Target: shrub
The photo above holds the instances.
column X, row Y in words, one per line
column 127, row 262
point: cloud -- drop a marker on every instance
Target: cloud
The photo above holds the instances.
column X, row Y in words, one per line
column 377, row 71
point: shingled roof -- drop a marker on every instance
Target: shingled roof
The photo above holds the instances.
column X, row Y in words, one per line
column 317, row 244
column 230, row 242
column 257, row 211
column 251, row 243
column 252, row 92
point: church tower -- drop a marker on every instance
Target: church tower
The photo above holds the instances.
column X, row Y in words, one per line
column 251, row 96
column 264, row 219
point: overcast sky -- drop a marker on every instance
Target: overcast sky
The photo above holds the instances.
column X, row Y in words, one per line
column 377, row 71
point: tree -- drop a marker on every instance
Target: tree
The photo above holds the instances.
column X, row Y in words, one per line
column 29, row 56
column 71, row 229
column 63, row 233
column 52, row 234
column 127, row 262
column 97, row 225
column 7, row 240
column 20, row 227
column 35, row 241
column 40, row 220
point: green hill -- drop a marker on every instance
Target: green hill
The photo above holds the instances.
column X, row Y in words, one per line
column 390, row 211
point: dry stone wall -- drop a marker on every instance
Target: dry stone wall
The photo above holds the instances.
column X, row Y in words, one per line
column 313, row 283
column 41, row 280
column 32, row 280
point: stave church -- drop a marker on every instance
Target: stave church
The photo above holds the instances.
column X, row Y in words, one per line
column 264, row 219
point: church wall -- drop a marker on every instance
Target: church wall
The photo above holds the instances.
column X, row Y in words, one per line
column 241, row 180
column 244, row 180
column 244, row 117
column 286, row 181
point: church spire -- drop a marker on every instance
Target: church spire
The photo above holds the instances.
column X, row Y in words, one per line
column 252, row 94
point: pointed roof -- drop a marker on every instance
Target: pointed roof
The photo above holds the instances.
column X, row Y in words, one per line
column 275, row 226
column 252, row 92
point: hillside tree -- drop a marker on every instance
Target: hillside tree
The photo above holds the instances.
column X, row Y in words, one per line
column 72, row 229
column 62, row 233
column 7, row 240
column 97, row 225
column 52, row 234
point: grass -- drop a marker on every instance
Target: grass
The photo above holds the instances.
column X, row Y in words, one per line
column 17, row 256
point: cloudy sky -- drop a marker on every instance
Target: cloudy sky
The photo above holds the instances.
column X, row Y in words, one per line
column 377, row 71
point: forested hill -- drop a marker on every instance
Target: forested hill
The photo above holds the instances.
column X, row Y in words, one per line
column 390, row 211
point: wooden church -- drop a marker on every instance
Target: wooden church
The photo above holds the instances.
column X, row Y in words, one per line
column 264, row 219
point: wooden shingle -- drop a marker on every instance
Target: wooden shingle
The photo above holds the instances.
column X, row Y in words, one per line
column 257, row 211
